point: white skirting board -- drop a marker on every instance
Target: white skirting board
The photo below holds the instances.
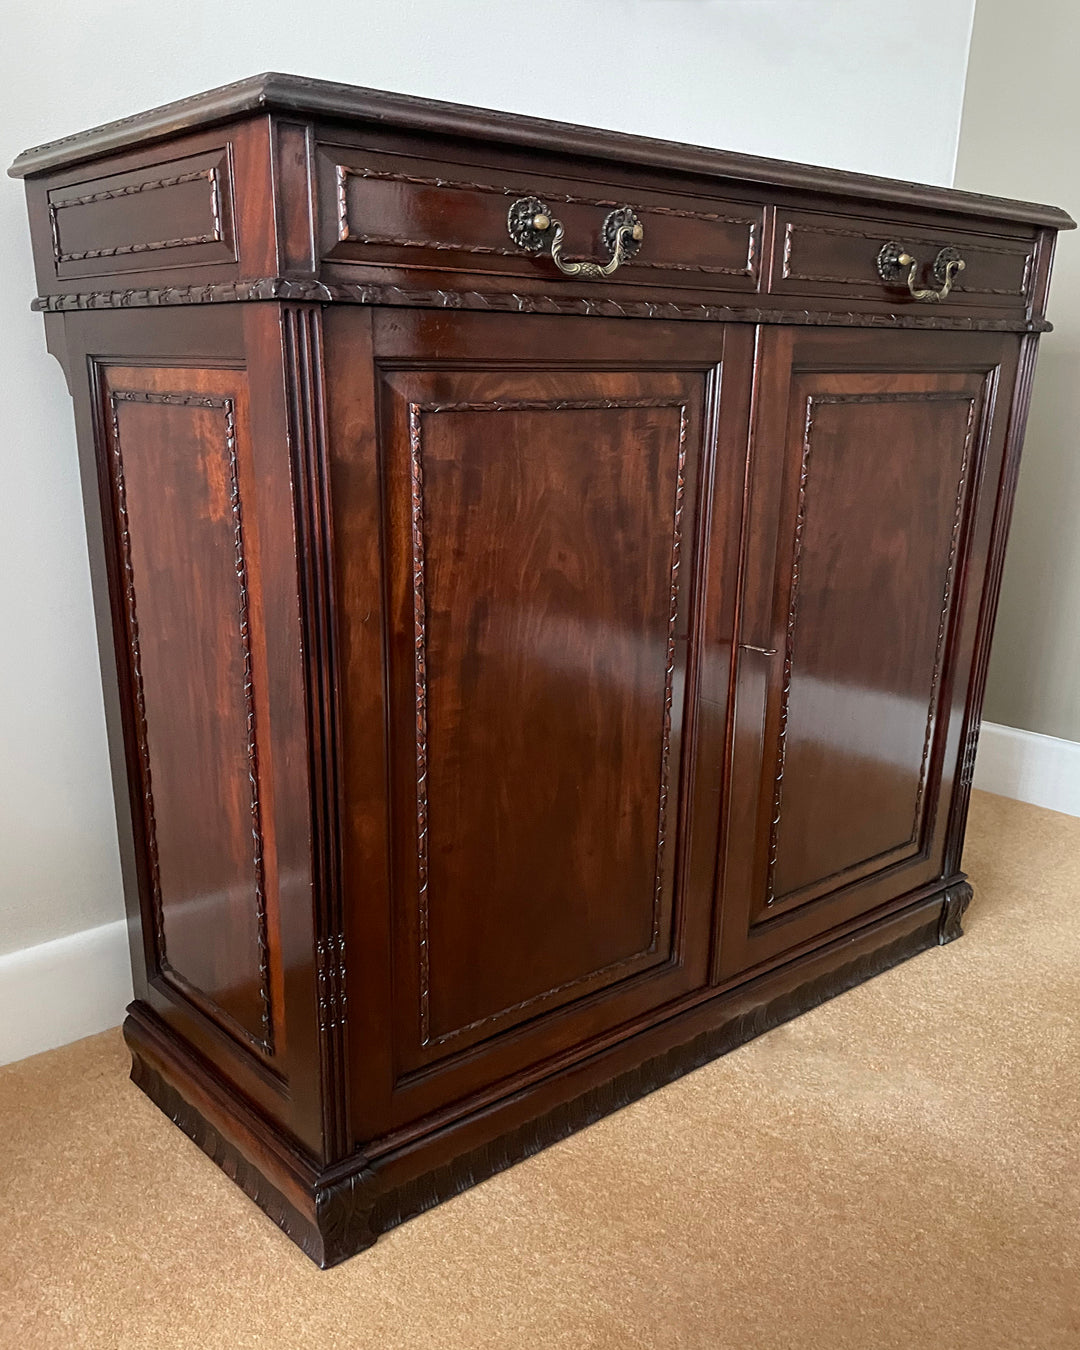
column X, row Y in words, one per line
column 1032, row 768
column 63, row 990
column 75, row 986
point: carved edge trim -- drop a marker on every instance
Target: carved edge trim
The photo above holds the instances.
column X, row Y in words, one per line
column 352, row 1211
column 586, row 306
column 419, row 607
column 789, row 274
column 943, row 621
column 134, row 119
column 214, row 236
column 265, row 1042
column 346, row 234
column 244, row 617
column 669, row 677
column 927, row 396
column 119, row 492
column 789, row 653
column 416, row 411
column 957, row 899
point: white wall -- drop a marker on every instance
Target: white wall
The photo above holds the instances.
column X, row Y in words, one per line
column 1019, row 138
column 853, row 85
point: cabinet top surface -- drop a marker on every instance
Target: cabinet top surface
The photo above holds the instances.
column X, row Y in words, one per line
column 326, row 100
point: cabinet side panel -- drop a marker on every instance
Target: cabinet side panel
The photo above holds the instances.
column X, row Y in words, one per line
column 189, row 569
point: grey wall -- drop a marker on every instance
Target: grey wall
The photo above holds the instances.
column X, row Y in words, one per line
column 858, row 86
column 1020, row 137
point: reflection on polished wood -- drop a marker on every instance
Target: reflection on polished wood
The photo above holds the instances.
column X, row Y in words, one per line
column 525, row 681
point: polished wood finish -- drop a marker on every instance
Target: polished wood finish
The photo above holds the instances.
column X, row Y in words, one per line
column 393, row 210
column 820, row 256
column 522, row 688
column 195, row 571
column 531, row 676
column 866, row 547
column 343, row 104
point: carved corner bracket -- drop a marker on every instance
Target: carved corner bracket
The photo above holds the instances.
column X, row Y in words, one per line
column 957, row 899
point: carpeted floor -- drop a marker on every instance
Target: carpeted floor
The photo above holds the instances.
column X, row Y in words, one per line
column 898, row 1168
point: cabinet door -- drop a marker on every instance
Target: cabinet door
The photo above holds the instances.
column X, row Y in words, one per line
column 556, row 682
column 875, row 459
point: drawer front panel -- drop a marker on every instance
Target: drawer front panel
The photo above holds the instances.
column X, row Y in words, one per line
column 167, row 215
column 835, row 255
column 413, row 213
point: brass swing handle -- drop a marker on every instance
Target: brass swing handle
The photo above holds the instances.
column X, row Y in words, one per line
column 531, row 226
column 894, row 259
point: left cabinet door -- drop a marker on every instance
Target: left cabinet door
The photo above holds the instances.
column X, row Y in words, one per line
column 555, row 679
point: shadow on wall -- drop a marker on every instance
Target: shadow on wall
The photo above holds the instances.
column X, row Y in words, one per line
column 1036, row 651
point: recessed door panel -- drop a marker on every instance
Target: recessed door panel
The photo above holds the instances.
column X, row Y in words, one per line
column 542, row 573
column 869, row 457
column 553, row 610
column 883, row 477
column 546, row 555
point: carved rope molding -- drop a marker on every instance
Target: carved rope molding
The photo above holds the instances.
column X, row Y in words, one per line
column 215, row 235
column 943, row 620
column 352, row 1210
column 416, row 411
column 175, row 106
column 346, row 234
column 416, row 516
column 310, row 291
column 812, row 401
column 265, row 1041
column 789, row 653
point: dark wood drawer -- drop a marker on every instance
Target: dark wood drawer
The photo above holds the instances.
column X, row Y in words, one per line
column 823, row 255
column 403, row 212
column 169, row 214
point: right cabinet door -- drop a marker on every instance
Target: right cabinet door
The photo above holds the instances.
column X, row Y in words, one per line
column 875, row 465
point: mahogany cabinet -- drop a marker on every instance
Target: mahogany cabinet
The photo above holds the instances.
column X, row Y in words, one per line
column 545, row 580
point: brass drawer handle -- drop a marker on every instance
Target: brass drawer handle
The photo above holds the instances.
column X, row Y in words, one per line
column 894, row 258
column 531, row 223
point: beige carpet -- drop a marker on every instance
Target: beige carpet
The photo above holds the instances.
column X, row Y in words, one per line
column 898, row 1168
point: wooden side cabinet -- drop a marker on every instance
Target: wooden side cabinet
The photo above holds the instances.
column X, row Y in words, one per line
column 545, row 581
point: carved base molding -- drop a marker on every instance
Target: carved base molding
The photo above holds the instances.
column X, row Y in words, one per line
column 310, row 291
column 335, row 1212
column 226, row 1154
